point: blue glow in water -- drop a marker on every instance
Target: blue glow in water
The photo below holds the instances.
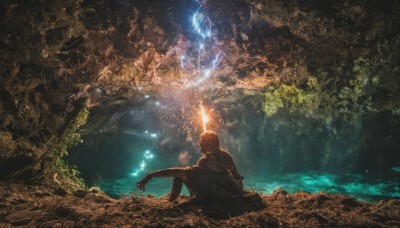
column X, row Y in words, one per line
column 313, row 182
column 396, row 169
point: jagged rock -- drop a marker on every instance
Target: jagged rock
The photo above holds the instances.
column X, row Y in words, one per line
column 143, row 211
column 60, row 191
column 351, row 202
column 280, row 192
column 80, row 193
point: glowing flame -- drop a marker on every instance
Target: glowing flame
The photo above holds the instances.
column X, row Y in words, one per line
column 204, row 118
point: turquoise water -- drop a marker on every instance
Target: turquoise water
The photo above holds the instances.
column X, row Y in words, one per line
column 313, row 182
column 359, row 159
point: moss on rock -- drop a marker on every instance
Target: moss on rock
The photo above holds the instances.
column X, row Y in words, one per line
column 54, row 166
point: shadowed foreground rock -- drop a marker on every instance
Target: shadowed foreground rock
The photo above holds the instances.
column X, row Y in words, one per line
column 33, row 206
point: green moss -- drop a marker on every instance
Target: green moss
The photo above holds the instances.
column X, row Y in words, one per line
column 315, row 100
column 58, row 146
column 283, row 96
column 291, row 98
column 371, row 83
column 377, row 77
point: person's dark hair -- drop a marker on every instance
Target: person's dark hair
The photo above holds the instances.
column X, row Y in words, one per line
column 209, row 140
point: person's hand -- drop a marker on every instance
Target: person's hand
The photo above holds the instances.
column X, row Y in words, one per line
column 142, row 184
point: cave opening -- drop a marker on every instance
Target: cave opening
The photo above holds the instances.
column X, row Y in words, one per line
column 276, row 142
column 304, row 95
column 95, row 94
column 120, row 146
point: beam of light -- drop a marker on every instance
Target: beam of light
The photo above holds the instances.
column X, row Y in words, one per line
column 183, row 61
column 216, row 60
column 196, row 24
column 204, row 118
column 207, row 72
column 206, row 75
column 197, row 20
column 201, row 47
column 202, row 27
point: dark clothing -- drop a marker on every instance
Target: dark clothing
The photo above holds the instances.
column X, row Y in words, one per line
column 215, row 178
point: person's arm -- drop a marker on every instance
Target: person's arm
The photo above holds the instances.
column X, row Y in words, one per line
column 171, row 172
column 235, row 172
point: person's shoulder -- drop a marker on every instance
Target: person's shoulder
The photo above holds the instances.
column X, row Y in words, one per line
column 208, row 155
column 226, row 153
column 205, row 158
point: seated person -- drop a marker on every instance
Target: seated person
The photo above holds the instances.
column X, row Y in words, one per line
column 213, row 179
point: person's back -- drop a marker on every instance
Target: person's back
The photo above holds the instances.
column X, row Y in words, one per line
column 214, row 178
column 219, row 161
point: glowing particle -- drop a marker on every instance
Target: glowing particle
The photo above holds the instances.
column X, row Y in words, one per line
column 146, row 96
column 153, row 135
column 135, row 174
column 158, row 103
column 149, row 156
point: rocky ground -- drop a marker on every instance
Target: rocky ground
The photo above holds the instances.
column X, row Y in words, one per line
column 33, row 206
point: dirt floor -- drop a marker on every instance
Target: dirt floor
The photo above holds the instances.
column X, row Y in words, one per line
column 33, row 206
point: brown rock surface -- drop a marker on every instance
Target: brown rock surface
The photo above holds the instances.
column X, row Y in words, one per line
column 33, row 206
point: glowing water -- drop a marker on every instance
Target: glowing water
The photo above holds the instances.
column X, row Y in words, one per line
column 313, row 182
column 269, row 160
